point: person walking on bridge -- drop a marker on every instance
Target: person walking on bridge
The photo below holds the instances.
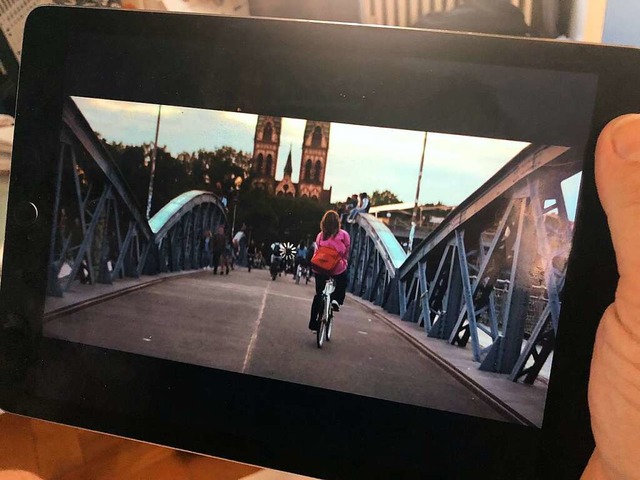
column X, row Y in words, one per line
column 331, row 237
column 218, row 244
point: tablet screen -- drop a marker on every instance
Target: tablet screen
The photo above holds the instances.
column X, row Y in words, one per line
column 187, row 233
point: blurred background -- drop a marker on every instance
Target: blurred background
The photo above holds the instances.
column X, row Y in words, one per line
column 57, row 452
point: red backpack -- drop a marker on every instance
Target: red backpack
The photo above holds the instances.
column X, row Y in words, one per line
column 325, row 260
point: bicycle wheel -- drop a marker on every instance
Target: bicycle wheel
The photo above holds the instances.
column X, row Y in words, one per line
column 322, row 329
column 329, row 326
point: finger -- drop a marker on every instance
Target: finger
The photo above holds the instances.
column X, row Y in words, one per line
column 614, row 385
column 618, row 182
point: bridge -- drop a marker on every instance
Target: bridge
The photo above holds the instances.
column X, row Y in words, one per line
column 466, row 322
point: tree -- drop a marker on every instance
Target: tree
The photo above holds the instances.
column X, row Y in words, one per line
column 385, row 197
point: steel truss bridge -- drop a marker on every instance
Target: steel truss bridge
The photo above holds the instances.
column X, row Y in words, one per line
column 493, row 270
column 489, row 277
column 101, row 233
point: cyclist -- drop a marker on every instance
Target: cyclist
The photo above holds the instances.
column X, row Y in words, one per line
column 331, row 239
column 301, row 257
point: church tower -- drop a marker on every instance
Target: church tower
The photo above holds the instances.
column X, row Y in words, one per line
column 313, row 164
column 286, row 186
column 266, row 143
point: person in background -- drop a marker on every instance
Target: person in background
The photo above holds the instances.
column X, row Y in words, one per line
column 352, row 202
column 239, row 243
column 252, row 251
column 363, row 207
column 218, row 244
column 301, row 257
column 207, row 254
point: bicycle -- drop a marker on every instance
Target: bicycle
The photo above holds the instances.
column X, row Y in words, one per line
column 302, row 271
column 325, row 320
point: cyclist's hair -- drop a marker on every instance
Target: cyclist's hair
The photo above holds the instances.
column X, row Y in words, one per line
column 330, row 224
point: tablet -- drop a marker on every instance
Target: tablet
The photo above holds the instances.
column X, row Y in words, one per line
column 170, row 177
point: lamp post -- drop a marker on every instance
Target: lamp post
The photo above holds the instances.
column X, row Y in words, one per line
column 153, row 164
column 237, row 182
column 414, row 216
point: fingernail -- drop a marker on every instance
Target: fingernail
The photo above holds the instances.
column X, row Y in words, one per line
column 626, row 138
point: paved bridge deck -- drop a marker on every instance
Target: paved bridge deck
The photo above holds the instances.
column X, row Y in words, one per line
column 244, row 322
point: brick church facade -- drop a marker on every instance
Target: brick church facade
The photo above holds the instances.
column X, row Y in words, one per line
column 313, row 161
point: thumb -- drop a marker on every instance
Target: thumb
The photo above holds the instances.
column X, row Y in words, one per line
column 614, row 384
column 618, row 182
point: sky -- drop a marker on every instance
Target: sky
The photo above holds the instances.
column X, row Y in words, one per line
column 360, row 158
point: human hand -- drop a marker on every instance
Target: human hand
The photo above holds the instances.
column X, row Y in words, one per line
column 614, row 385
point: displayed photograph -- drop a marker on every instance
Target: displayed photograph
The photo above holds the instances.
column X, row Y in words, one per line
column 416, row 267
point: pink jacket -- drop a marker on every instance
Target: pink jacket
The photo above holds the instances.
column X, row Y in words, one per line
column 341, row 242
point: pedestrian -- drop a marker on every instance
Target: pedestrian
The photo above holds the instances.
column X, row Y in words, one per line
column 252, row 251
column 218, row 245
column 207, row 254
column 239, row 243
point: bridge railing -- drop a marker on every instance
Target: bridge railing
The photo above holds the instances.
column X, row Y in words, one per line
column 495, row 268
column 179, row 230
column 100, row 233
column 490, row 276
column 376, row 255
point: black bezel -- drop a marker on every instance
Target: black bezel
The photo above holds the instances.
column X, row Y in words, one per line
column 251, row 419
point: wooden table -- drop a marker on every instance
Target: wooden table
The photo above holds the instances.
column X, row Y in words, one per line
column 56, row 452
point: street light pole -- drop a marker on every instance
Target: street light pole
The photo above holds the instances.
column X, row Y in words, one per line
column 237, row 182
column 153, row 164
column 416, row 213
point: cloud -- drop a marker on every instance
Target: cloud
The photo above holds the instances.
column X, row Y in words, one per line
column 360, row 158
column 125, row 108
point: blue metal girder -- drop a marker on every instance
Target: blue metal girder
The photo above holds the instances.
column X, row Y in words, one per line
column 506, row 350
column 544, row 251
column 540, row 336
column 179, row 228
column 530, row 159
column 479, row 278
column 124, row 251
column 77, row 127
column 375, row 257
column 468, row 296
column 424, row 297
column 88, row 237
column 82, row 208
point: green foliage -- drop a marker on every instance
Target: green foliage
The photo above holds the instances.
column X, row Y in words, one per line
column 385, row 197
column 196, row 171
column 279, row 218
column 268, row 217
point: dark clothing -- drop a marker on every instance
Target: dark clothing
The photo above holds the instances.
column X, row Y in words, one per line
column 218, row 242
column 341, row 285
column 338, row 294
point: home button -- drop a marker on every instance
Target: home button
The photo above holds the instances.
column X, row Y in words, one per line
column 25, row 214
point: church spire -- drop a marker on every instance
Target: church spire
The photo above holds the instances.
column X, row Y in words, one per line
column 288, row 168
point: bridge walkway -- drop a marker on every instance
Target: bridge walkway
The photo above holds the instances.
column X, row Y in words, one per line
column 246, row 323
